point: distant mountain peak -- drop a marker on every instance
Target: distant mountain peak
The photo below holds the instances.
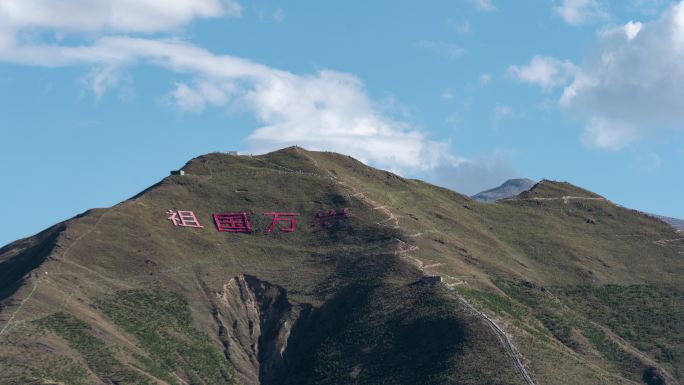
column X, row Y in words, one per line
column 508, row 189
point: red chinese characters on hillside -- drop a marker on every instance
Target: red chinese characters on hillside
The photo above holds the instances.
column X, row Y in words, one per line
column 327, row 219
column 183, row 218
column 232, row 222
column 238, row 222
column 289, row 218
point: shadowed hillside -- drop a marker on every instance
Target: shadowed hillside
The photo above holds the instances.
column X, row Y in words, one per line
column 554, row 286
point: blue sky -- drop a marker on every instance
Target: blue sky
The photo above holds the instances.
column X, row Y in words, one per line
column 100, row 99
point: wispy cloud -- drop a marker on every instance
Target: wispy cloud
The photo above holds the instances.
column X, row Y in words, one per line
column 143, row 16
column 475, row 175
column 325, row 110
column 461, row 27
column 328, row 109
column 485, row 5
column 276, row 16
column 445, row 49
column 576, row 12
column 202, row 93
column 646, row 7
column 485, row 79
column 544, row 71
column 503, row 111
column 102, row 78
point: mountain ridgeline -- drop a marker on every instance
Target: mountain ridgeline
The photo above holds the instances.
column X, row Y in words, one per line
column 674, row 222
column 413, row 284
column 508, row 189
column 513, row 187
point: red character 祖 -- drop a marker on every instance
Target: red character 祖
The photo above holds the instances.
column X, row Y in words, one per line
column 183, row 218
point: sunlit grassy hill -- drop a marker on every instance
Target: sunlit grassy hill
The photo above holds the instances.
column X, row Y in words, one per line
column 582, row 291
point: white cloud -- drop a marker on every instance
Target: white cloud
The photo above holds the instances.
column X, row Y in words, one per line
column 576, row 12
column 629, row 84
column 144, row 16
column 196, row 97
column 632, row 29
column 187, row 98
column 635, row 76
column 448, row 50
column 544, row 71
column 331, row 110
column 485, row 5
column 326, row 110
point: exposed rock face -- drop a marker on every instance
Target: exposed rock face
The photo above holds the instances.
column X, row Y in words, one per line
column 510, row 188
column 255, row 319
column 23, row 256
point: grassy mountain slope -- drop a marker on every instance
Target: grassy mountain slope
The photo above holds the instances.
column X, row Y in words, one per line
column 119, row 295
column 674, row 222
column 551, row 189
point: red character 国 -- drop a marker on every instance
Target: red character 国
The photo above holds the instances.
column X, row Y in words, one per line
column 232, row 222
column 183, row 218
column 289, row 218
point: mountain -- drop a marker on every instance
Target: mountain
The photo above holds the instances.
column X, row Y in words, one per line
column 513, row 187
column 508, row 189
column 381, row 280
column 674, row 222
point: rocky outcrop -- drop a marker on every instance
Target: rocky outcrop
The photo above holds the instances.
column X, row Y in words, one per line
column 255, row 320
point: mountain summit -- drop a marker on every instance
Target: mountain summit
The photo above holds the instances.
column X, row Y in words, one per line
column 301, row 267
column 509, row 188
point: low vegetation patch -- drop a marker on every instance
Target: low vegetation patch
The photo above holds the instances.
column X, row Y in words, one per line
column 162, row 323
column 98, row 356
column 648, row 317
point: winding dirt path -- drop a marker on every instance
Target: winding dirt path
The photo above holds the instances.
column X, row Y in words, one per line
column 404, row 251
column 504, row 339
column 565, row 199
column 36, row 282
column 9, row 322
column 664, row 242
